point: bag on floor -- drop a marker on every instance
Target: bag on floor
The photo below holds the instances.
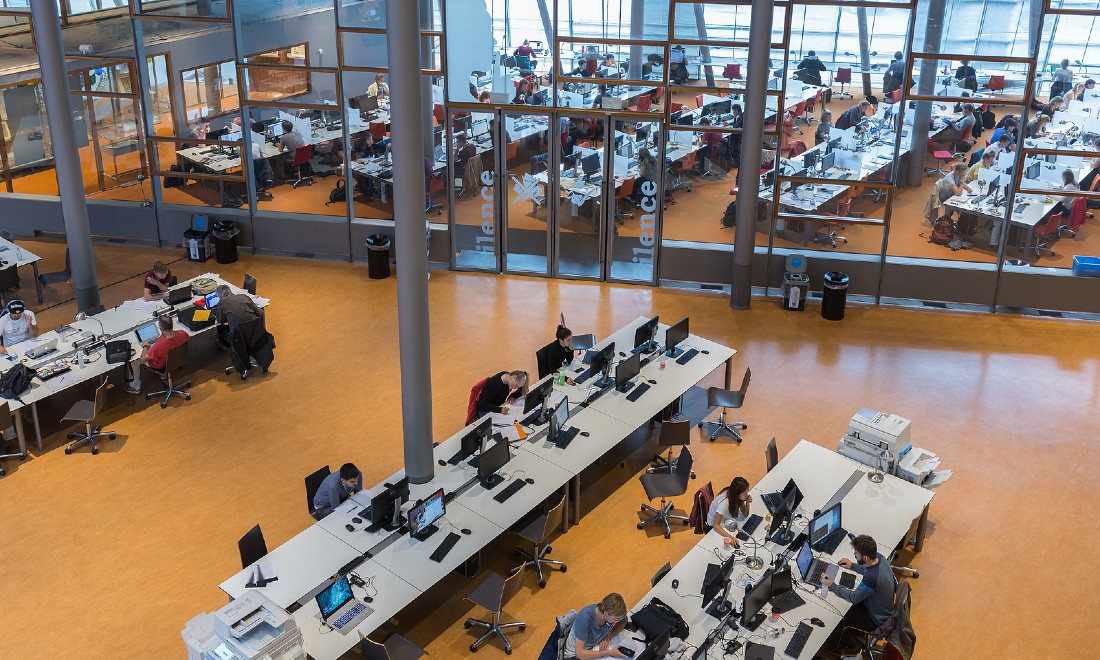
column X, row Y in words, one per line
column 729, row 218
column 15, row 381
column 942, row 231
column 174, row 181
column 989, row 119
column 337, row 194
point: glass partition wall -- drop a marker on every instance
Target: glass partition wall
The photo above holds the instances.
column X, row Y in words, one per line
column 627, row 166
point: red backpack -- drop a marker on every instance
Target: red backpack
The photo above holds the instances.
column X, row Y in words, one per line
column 942, row 232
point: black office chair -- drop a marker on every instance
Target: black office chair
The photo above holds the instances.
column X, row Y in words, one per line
column 249, row 284
column 177, row 359
column 673, row 433
column 9, row 281
column 395, row 647
column 771, row 455
column 86, row 411
column 493, row 593
column 718, row 397
column 542, row 361
column 537, row 529
column 868, row 640
column 60, row 276
column 660, row 574
column 252, row 547
column 313, row 482
column 665, row 485
column 6, row 450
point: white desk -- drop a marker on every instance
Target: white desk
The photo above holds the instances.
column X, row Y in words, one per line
column 19, row 257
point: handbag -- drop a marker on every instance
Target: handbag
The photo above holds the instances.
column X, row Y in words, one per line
column 203, row 285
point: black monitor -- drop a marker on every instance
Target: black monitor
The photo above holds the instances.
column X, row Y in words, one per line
column 781, row 582
column 827, row 161
column 474, row 440
column 675, row 117
column 643, row 336
column 641, row 134
column 769, row 177
column 385, row 507
column 755, row 600
column 719, row 583
column 674, row 336
column 424, row 514
column 601, row 362
column 626, row 371
column 558, row 418
column 809, row 159
column 1033, row 170
column 217, row 134
column 834, row 143
column 539, row 98
column 825, row 523
column 492, row 459
column 657, row 649
column 780, row 529
column 686, row 119
column 590, row 164
column 722, row 107
column 538, row 397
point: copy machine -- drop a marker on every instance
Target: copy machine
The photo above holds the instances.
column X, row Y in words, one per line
column 249, row 628
column 876, row 439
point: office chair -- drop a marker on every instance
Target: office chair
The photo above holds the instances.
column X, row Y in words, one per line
column 7, row 236
column 621, row 197
column 732, row 72
column 433, row 186
column 59, row 276
column 827, row 234
column 665, row 485
column 673, row 433
column 660, row 574
column 86, row 411
column 302, row 156
column 844, row 77
column 537, row 530
column 249, row 284
column 996, row 84
column 1045, row 235
column 313, row 482
column 395, row 647
column 9, row 280
column 493, row 593
column 177, row 358
column 869, row 642
column 252, row 547
column 771, row 455
column 5, row 446
column 943, row 157
column 718, row 397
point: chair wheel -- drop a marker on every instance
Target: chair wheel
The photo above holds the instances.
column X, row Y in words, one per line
column 744, row 426
column 686, row 523
column 542, row 583
column 549, row 550
column 148, row 396
column 473, row 648
column 112, row 436
column 668, row 536
column 187, row 397
column 693, row 476
column 564, row 568
column 640, row 525
column 916, row 575
column 468, row 625
column 95, row 450
column 522, row 628
column 163, row 405
column 700, row 425
column 509, row 651
column 68, row 450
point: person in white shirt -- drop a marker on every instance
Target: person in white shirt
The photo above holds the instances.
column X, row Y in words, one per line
column 729, row 509
column 379, row 86
column 1065, row 203
column 17, row 325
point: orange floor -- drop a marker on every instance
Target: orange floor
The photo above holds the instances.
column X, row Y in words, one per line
column 125, row 547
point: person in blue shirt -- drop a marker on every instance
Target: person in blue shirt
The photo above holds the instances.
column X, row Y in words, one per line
column 336, row 488
column 1007, row 128
column 594, row 628
column 873, row 598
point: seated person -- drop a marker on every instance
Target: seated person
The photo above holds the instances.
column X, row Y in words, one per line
column 853, row 115
column 594, row 628
column 1065, row 203
column 336, row 488
column 523, row 92
column 501, row 390
column 988, row 157
column 648, row 167
column 485, row 97
column 963, row 127
column 810, row 68
column 609, row 68
column 288, row 142
column 232, row 309
column 729, row 509
column 154, row 353
column 953, row 183
column 464, row 151
column 1053, row 106
column 379, row 86
column 677, row 66
column 821, row 133
column 525, row 50
column 1037, row 128
column 873, row 598
column 711, row 146
column 1091, row 182
column 200, row 129
column 1007, row 128
column 157, row 281
column 966, row 77
column 19, row 324
column 559, row 352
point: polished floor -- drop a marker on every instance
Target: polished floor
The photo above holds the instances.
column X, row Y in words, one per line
column 111, row 555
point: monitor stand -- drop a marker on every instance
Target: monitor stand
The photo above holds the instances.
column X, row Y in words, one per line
column 492, row 481
column 425, row 533
column 674, row 352
column 605, row 380
column 754, row 623
column 721, row 605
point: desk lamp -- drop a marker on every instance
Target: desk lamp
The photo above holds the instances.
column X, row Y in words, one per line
column 877, row 476
column 82, row 316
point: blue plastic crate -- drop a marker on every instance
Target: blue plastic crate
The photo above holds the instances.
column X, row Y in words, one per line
column 1088, row 266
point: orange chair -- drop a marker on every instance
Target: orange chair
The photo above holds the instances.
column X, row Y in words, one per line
column 625, row 191
column 440, row 116
column 895, row 96
column 698, row 100
column 1045, row 235
column 732, row 72
column 511, row 150
column 377, row 130
column 302, row 155
column 642, row 106
column 943, row 155
column 844, row 77
column 676, row 107
column 996, row 84
column 657, row 95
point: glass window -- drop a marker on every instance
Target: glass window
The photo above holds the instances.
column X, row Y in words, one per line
column 210, row 90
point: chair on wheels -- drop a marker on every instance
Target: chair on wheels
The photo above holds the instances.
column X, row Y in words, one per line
column 873, row 643
column 621, row 197
column 395, row 647
column 252, row 547
column 771, row 455
column 302, row 156
column 1045, row 235
column 493, row 593
column 844, row 77
column 732, row 72
column 177, row 359
column 433, row 186
column 828, row 234
column 665, row 485
column 996, row 84
column 944, row 157
column 249, row 284
column 537, row 529
column 5, row 446
column 86, row 411
column 65, row 276
column 313, row 483
column 723, row 398
column 9, row 281
column 673, row 433
column 249, row 347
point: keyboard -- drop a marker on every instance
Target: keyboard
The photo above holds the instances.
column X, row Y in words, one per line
column 749, row 527
column 445, row 547
column 798, row 640
column 585, row 375
column 844, row 176
column 686, row 357
column 638, row 392
column 786, row 601
column 355, row 611
column 817, row 569
column 831, row 541
column 509, row 490
column 566, row 436
column 455, row 460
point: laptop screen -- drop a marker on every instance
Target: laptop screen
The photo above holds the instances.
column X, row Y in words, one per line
column 333, row 597
column 804, row 559
column 212, row 300
column 147, row 332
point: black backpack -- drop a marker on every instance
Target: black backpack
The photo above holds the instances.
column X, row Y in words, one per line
column 729, row 218
column 337, row 194
column 174, row 181
column 16, row 381
column 657, row 617
column 989, row 119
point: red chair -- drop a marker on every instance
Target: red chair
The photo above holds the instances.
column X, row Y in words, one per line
column 844, row 77
column 698, row 100
column 592, row 65
column 302, row 155
column 799, row 110
column 433, row 186
column 895, row 96
column 440, row 116
column 475, row 394
column 732, row 72
column 377, row 130
column 798, row 147
column 675, row 107
column 1078, row 212
column 996, row 84
column 1045, row 235
column 946, row 158
column 811, row 106
column 657, row 95
column 642, row 106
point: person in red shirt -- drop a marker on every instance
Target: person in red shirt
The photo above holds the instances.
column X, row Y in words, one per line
column 154, row 354
column 157, row 281
column 711, row 147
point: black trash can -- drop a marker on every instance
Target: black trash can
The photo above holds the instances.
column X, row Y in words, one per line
column 378, row 256
column 225, row 241
column 836, row 291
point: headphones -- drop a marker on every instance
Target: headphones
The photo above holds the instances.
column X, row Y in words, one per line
column 13, row 304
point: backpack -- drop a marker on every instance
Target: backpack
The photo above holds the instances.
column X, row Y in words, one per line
column 657, row 617
column 337, row 194
column 942, row 231
column 16, row 381
column 174, row 181
column 989, row 119
column 729, row 217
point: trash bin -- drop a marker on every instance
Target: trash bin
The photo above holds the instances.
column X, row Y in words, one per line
column 225, row 241
column 836, row 290
column 796, row 283
column 197, row 244
column 378, row 256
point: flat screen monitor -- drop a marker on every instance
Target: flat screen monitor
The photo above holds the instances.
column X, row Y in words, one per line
column 686, row 119
column 825, row 523
column 368, row 103
column 217, row 135
column 479, row 128
column 538, row 395
column 809, row 159
column 788, row 490
column 212, row 300
column 827, row 161
column 658, row 648
column 539, row 98
column 835, row 143
column 382, row 507
column 275, row 130
column 627, row 370
column 646, row 332
column 602, row 359
column 590, row 164
column 474, row 440
column 675, row 117
column 492, row 459
column 781, row 582
column 757, row 597
column 675, row 335
column 722, row 107
column 423, row 515
column 642, row 134
column 1033, row 170
column 333, row 597
column 558, row 418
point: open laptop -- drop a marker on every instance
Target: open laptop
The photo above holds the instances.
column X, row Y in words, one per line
column 339, row 609
column 811, row 568
column 179, row 295
column 45, row 348
column 147, row 332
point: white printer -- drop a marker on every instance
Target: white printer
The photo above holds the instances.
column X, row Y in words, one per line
column 249, row 628
column 876, row 439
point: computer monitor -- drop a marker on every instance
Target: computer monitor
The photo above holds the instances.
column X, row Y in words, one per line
column 792, row 489
column 590, row 164
column 825, row 523
column 626, row 371
column 601, row 363
column 539, row 98
column 474, row 440
column 1033, row 170
column 423, row 515
column 657, row 649
column 686, row 119
column 217, row 134
column 368, row 103
column 275, row 130
column 719, row 583
column 333, row 597
column 538, row 397
column 809, row 159
column 835, row 143
column 827, row 161
column 479, row 128
column 674, row 336
column 492, row 459
column 722, row 107
column 643, row 336
column 641, row 134
column 212, row 299
column 675, row 117
column 385, row 507
column 781, row 582
column 756, row 598
column 780, row 529
column 558, row 418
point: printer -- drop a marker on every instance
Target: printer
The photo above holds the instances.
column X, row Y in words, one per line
column 919, row 467
column 876, row 439
column 249, row 628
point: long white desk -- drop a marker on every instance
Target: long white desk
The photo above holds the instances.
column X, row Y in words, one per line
column 18, row 257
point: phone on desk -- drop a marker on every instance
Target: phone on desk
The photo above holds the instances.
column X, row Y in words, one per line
column 628, row 652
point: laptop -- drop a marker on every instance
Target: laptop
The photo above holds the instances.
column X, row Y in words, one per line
column 147, row 332
column 339, row 609
column 45, row 348
column 811, row 568
column 179, row 295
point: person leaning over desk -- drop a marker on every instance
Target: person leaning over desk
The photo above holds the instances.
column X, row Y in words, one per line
column 233, row 309
column 951, row 184
column 336, row 488
column 594, row 628
column 19, row 324
column 894, row 76
column 873, row 599
column 729, row 510
column 500, row 391
column 157, row 281
column 853, row 115
column 1008, row 127
column 1053, row 106
column 1037, row 128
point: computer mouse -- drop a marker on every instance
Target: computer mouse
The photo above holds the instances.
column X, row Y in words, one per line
column 442, row 462
column 465, row 531
column 368, row 599
column 357, row 520
column 585, row 433
column 529, row 480
column 621, row 354
column 817, row 622
column 349, row 527
column 675, row 584
column 652, row 382
column 705, row 352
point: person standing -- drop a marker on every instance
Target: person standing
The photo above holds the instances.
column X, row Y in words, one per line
column 1061, row 81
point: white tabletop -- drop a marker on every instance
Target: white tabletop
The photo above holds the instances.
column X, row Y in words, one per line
column 12, row 253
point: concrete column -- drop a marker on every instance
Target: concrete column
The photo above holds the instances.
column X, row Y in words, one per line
column 926, row 86
column 864, row 50
column 752, row 135
column 66, row 157
column 637, row 31
column 409, row 226
column 704, row 51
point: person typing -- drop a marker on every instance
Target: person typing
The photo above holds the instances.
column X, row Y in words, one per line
column 873, row 598
column 594, row 628
column 154, row 354
column 19, row 324
column 336, row 487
